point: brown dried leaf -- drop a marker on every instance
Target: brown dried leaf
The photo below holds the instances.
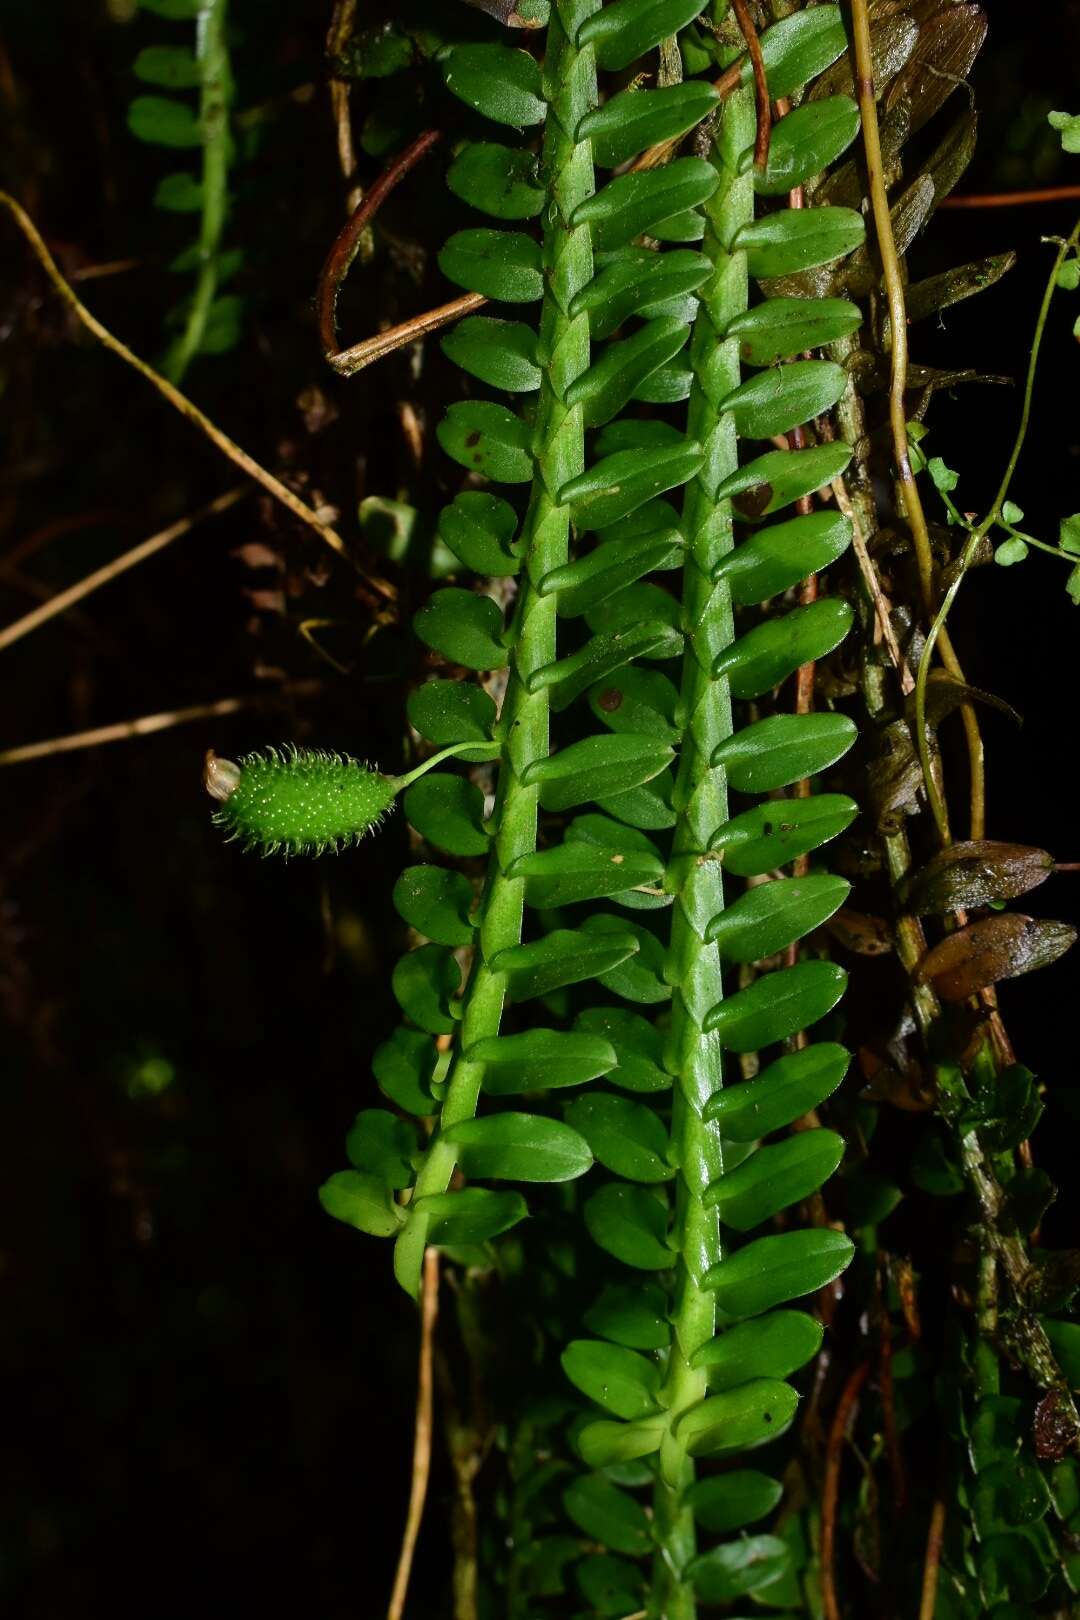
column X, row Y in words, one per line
column 1001, row 947
column 974, row 873
column 892, row 41
column 894, row 778
column 1055, row 1430
column 506, row 12
column 861, row 933
column 944, row 694
column 944, row 52
column 925, row 298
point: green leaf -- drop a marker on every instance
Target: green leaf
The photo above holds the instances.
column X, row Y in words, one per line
column 423, row 982
column 617, row 1379
column 773, row 1270
column 634, row 119
column 518, row 1147
column 500, row 180
column 1012, row 1564
column 469, row 1216
column 807, row 141
column 489, row 439
column 799, row 47
column 626, row 1137
column 780, row 556
column 175, row 10
column 610, row 382
column 501, row 83
column 780, row 830
column 943, row 477
column 774, row 1346
column 1068, row 279
column 689, row 226
column 500, row 264
column 383, row 1146
column 770, row 916
column 640, row 978
column 578, row 871
column 626, row 29
column 732, row 1500
column 602, row 833
column 774, row 1178
column 783, row 749
column 788, row 1088
column 623, row 610
column 626, row 207
column 179, row 194
column 448, row 712
column 1010, row 551
column 1069, row 534
column 1068, row 126
column 774, row 649
column 781, row 327
column 540, row 1059
column 617, row 485
column 647, row 806
column 795, row 239
column 1065, row 1342
column 173, row 66
column 776, row 1006
column 731, row 1571
column 224, row 320
column 636, row 280
column 465, row 628
column 479, row 528
column 780, row 477
column 638, row 1047
column 611, row 1586
column 608, row 1515
column 610, row 566
column 437, row 903
column 501, row 353
column 403, row 1067
column 604, row 1443
column 595, row 765
column 1072, row 584
column 668, row 384
column 162, row 122
column 631, row 1224
column 567, row 678
column 779, row 398
column 561, row 957
column 361, row 1201
column 631, row 1314
column 449, row 812
column 640, row 701
column 754, row 1412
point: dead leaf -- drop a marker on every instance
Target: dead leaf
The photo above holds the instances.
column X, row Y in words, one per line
column 974, row 873
column 944, row 694
column 944, row 52
column 532, row 15
column 1055, row 1430
column 1001, row 947
column 859, row 932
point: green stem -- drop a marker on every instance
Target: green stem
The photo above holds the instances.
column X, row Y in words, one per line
column 701, row 803
column 570, row 89
column 475, row 750
column 212, row 55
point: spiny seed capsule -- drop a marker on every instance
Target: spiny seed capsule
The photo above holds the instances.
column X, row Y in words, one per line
column 299, row 801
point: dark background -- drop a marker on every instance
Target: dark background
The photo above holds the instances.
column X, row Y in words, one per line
column 208, row 1385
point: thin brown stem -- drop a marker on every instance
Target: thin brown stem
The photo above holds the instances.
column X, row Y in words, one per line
column 830, row 1496
column 349, row 361
column 63, row 600
column 421, row 1470
column 873, row 586
column 1010, row 199
column 340, row 32
column 761, row 88
column 935, row 1538
column 347, row 241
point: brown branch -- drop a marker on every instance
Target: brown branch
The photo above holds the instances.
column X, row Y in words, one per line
column 347, row 241
column 63, row 600
column 338, row 36
column 1010, row 199
column 873, row 585
column 761, row 88
column 830, row 1495
column 421, row 1471
column 935, row 1538
column 349, row 361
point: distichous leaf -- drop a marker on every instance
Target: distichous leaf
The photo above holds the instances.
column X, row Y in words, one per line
column 637, row 700
column 437, row 903
column 635, row 280
column 609, row 1515
column 466, row 628
column 775, row 400
column 775, row 1346
column 751, row 1564
column 162, row 122
column 617, row 1379
column 449, row 812
column 647, row 806
column 638, row 1047
column 574, row 872
column 640, row 978
column 518, row 1147
column 634, row 1315
column 626, row 1137
column 780, row 327
column 501, row 353
column 501, row 83
column 540, row 1059
column 361, row 1201
column 448, row 712
column 749, row 1415
column 774, row 1178
column 634, row 119
column 780, row 830
column 382, row 1145
column 797, row 48
column 780, row 556
column 500, row 180
column 488, row 439
column 605, row 388
column 789, row 1088
column 604, row 835
column 561, row 957
column 773, row 650
column 618, row 484
column 504, row 265
column 423, row 982
column 776, row 1006
column 179, row 194
column 604, row 1443
column 795, row 239
column 403, row 1067
column 806, row 142
column 596, row 765
column 599, row 573
column 472, row 1215
column 782, row 749
column 172, row 66
column 478, row 528
column 631, row 1224
column 773, row 1270
column 732, row 1500
column 567, row 678
column 626, row 29
column 626, row 207
column 780, row 477
column 770, row 916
